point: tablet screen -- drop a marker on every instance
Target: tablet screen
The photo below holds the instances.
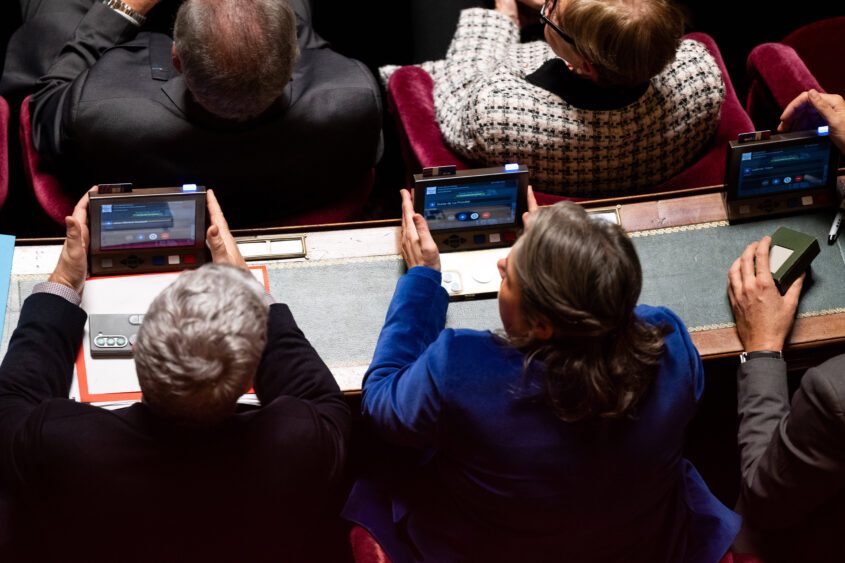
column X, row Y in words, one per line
column 147, row 225
column 782, row 169
column 471, row 204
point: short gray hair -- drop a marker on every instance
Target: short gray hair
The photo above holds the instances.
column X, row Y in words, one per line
column 200, row 344
column 237, row 56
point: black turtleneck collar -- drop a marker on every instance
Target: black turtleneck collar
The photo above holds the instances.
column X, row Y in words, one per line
column 556, row 77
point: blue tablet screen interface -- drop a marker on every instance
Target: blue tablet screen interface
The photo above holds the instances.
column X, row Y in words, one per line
column 471, row 205
column 784, row 169
column 147, row 225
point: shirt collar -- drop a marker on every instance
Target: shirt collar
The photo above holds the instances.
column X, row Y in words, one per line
column 555, row 76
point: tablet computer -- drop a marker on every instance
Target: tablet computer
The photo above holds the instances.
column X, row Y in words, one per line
column 141, row 230
column 472, row 209
column 779, row 174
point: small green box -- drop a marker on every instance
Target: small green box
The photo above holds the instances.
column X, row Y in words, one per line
column 790, row 254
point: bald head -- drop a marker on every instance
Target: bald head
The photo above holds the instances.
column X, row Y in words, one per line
column 237, row 56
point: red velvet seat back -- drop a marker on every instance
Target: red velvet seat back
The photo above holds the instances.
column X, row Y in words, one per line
column 776, row 76
column 52, row 198
column 809, row 57
column 821, row 45
column 739, row 558
column 4, row 151
column 365, row 548
column 411, row 102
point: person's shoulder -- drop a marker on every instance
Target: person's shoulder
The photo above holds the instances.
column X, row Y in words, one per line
column 468, row 337
column 825, row 383
column 658, row 316
column 482, row 19
column 467, row 347
column 125, row 70
column 136, row 48
column 325, row 68
column 694, row 60
column 66, row 406
column 675, row 333
column 692, row 75
column 65, row 423
column 287, row 424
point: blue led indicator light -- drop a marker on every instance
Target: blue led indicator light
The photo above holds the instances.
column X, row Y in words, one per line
column 189, row 187
column 824, row 130
column 511, row 167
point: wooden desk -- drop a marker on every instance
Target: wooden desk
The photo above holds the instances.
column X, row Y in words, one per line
column 812, row 340
column 661, row 213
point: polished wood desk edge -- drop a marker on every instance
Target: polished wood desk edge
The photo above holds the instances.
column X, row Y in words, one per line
column 810, row 332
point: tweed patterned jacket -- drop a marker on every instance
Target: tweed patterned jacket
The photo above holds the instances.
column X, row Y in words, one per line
column 489, row 113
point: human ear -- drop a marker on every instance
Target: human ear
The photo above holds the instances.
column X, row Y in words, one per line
column 177, row 64
column 543, row 328
column 588, row 70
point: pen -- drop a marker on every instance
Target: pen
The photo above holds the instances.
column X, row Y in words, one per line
column 837, row 221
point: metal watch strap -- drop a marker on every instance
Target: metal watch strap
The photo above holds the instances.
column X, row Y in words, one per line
column 745, row 356
column 124, row 8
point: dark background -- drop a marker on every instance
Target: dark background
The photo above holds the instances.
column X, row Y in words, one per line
column 383, row 32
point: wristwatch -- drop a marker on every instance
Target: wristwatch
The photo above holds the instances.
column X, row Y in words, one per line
column 745, row 356
column 125, row 9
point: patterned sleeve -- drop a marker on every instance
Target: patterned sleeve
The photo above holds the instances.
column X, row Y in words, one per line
column 482, row 44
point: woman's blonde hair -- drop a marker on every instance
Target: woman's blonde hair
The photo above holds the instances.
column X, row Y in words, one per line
column 629, row 41
column 582, row 275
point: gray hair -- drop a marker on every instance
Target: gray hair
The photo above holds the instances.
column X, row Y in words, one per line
column 200, row 344
column 237, row 56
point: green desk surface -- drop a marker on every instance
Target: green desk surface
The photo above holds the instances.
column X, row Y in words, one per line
column 686, row 268
column 340, row 304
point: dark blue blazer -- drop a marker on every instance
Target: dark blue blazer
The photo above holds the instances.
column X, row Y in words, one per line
column 501, row 478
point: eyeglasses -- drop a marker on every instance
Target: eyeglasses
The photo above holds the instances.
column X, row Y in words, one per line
column 548, row 22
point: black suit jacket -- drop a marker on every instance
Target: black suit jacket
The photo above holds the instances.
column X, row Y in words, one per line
column 126, row 485
column 110, row 107
column 793, row 462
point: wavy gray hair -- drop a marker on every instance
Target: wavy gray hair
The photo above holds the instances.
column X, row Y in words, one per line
column 237, row 56
column 200, row 344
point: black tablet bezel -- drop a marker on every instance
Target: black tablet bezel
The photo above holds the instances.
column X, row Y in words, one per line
column 470, row 177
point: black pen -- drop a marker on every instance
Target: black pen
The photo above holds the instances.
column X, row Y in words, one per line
column 837, row 222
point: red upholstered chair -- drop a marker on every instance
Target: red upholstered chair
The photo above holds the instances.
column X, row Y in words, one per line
column 365, row 548
column 821, row 45
column 4, row 151
column 739, row 558
column 57, row 204
column 807, row 58
column 410, row 101
column 50, row 195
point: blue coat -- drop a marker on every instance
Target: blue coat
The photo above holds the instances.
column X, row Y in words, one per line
column 500, row 478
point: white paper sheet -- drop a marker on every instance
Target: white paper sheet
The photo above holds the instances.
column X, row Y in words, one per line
column 120, row 294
